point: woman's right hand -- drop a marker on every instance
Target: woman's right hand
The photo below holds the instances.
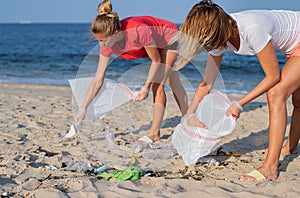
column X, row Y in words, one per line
column 193, row 121
column 142, row 95
column 79, row 117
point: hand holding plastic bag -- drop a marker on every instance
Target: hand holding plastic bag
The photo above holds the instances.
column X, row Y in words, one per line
column 193, row 142
column 193, row 121
column 111, row 95
column 234, row 109
column 80, row 116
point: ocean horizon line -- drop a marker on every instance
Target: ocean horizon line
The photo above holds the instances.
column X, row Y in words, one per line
column 40, row 23
column 29, row 22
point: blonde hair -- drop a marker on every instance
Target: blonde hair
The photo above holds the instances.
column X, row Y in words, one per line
column 206, row 27
column 106, row 21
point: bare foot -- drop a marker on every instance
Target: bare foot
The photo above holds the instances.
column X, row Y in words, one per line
column 153, row 136
column 284, row 151
column 260, row 175
column 288, row 151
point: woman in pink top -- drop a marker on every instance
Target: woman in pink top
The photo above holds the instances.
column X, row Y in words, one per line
column 133, row 38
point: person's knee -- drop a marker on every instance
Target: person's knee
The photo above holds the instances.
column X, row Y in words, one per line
column 276, row 95
column 158, row 88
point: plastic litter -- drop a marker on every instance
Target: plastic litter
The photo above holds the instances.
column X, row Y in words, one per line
column 208, row 160
column 139, row 147
column 195, row 142
column 130, row 173
column 100, row 169
column 49, row 167
column 74, row 129
column 78, row 166
column 110, row 138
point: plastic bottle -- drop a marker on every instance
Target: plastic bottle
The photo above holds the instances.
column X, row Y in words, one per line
column 78, row 166
column 100, row 169
column 209, row 160
column 110, row 138
column 139, row 147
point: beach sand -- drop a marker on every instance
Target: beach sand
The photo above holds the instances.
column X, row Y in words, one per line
column 35, row 118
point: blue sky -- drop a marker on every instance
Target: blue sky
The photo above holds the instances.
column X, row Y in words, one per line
column 39, row 11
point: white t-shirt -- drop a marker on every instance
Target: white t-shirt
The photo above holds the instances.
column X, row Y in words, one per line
column 258, row 27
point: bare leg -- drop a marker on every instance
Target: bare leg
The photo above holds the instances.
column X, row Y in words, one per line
column 159, row 104
column 293, row 139
column 159, row 97
column 277, row 96
column 291, row 145
column 178, row 92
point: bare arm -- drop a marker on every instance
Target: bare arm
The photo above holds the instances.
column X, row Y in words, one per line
column 269, row 63
column 154, row 55
column 94, row 87
column 212, row 69
column 97, row 82
column 154, row 74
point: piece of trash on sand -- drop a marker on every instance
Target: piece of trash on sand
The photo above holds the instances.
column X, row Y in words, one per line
column 78, row 166
column 130, row 173
column 100, row 169
column 139, row 146
column 73, row 131
column 50, row 167
column 110, row 138
column 47, row 153
column 208, row 160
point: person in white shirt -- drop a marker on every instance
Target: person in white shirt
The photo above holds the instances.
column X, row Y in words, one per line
column 251, row 32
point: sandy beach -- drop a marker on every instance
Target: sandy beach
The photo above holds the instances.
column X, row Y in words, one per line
column 34, row 154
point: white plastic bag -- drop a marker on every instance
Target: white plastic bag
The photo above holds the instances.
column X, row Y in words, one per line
column 111, row 95
column 195, row 142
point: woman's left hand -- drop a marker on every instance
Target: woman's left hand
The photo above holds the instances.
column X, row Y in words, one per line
column 234, row 110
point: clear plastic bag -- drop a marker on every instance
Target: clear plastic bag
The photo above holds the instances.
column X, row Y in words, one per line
column 78, row 166
column 195, row 142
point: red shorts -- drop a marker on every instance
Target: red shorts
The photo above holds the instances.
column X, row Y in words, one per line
column 295, row 52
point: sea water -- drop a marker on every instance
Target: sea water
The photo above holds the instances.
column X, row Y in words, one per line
column 54, row 53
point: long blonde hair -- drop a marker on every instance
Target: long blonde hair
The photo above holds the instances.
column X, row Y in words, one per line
column 206, row 27
column 106, row 21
